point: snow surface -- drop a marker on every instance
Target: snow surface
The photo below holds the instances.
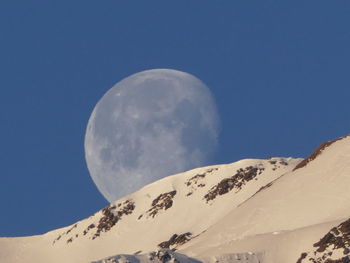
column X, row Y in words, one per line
column 249, row 211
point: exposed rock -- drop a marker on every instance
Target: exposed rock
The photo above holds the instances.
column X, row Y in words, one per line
column 69, row 230
column 176, row 240
column 277, row 162
column 91, row 226
column 194, row 179
column 316, row 153
column 197, row 177
column 283, row 162
column 195, row 182
column 57, row 239
column 338, row 238
column 65, row 233
column 162, row 202
column 303, row 255
column 111, row 216
column 236, row 181
column 263, row 188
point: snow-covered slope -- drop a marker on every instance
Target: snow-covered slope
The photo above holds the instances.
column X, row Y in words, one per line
column 249, row 211
column 285, row 219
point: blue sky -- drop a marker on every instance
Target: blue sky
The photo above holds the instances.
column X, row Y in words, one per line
column 279, row 71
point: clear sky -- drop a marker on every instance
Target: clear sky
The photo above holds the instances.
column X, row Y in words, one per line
column 279, row 71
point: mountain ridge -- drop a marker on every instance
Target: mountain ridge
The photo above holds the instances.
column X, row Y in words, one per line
column 269, row 201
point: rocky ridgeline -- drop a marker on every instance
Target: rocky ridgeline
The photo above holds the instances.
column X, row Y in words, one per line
column 196, row 181
column 317, row 152
column 111, row 216
column 240, row 178
column 65, row 234
column 162, row 202
column 277, row 163
column 176, row 240
column 334, row 247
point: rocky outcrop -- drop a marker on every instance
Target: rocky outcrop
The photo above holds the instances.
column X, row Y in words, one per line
column 197, row 181
column 162, row 202
column 176, row 240
column 334, row 247
column 111, row 216
column 65, row 234
column 236, row 181
column 198, row 177
column 277, row 163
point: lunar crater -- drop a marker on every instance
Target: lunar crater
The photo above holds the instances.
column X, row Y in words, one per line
column 149, row 125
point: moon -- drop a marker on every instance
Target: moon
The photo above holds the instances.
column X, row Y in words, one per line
column 150, row 125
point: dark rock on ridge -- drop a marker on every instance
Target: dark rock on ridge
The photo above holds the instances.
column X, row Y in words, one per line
column 111, row 216
column 162, row 202
column 176, row 240
column 236, row 181
column 195, row 182
column 316, row 153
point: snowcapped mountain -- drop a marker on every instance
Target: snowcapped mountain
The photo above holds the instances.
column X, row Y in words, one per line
column 275, row 210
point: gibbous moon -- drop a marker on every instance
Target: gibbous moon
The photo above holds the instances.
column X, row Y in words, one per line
column 149, row 125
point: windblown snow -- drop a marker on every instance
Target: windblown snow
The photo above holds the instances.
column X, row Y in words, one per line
column 278, row 210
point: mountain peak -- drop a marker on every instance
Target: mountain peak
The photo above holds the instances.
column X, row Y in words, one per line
column 317, row 152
